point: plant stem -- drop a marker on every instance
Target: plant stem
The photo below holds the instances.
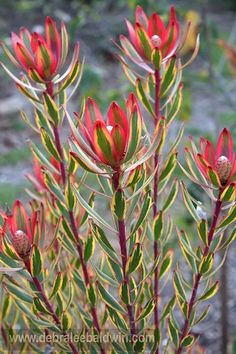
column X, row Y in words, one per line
column 50, row 91
column 124, row 256
column 155, row 203
column 49, row 306
column 74, row 227
column 84, row 268
column 198, row 276
column 60, row 151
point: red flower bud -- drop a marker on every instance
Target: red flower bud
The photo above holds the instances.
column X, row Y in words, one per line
column 114, row 141
column 41, row 57
column 22, row 227
column 220, row 159
column 223, row 168
column 150, row 33
column 21, row 243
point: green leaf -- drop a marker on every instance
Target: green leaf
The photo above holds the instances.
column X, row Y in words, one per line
column 92, row 212
column 206, row 264
column 229, row 240
column 6, row 307
column 109, row 299
column 135, row 259
column 175, row 105
column 167, row 309
column 228, row 194
column 106, row 278
column 143, row 97
column 35, row 262
column 18, row 293
column 166, row 264
column 187, row 341
column 26, row 310
column 135, row 135
column 156, row 58
column 147, row 310
column 49, row 144
column 144, row 42
column 189, row 204
column 158, row 226
column 91, row 295
column 118, row 204
column 203, row 231
column 213, row 177
column 40, row 306
column 104, row 243
column 72, row 75
column 124, row 293
column 57, row 285
column 168, row 168
column 210, row 292
column 51, row 108
column 118, row 320
column 172, row 195
column 168, row 78
column 231, row 217
column 202, row 316
column 179, row 287
column 66, row 321
column 70, row 198
column 147, row 203
column 89, row 248
column 173, row 333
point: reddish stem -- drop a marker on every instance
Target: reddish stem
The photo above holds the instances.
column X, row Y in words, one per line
column 198, row 276
column 85, row 270
column 60, row 151
column 49, row 305
column 50, row 91
column 124, row 256
column 74, row 228
column 155, row 202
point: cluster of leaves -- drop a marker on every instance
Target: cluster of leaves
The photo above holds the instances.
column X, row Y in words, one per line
column 92, row 252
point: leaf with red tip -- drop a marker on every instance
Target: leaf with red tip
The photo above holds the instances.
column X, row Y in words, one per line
column 20, row 219
column 132, row 54
column 9, row 54
column 92, row 114
column 34, row 75
column 132, row 33
column 72, row 75
column 64, row 44
column 141, row 17
column 44, row 61
column 116, row 116
column 118, row 136
column 53, row 38
column 24, row 56
column 156, row 26
column 213, row 176
column 135, row 129
column 224, row 145
column 144, row 42
column 25, row 36
column 103, row 143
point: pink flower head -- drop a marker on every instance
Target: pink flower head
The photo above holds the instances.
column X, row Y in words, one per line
column 221, row 160
column 109, row 142
column 22, row 228
column 40, row 56
column 149, row 34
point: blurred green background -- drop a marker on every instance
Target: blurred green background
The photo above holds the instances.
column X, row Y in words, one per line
column 209, row 86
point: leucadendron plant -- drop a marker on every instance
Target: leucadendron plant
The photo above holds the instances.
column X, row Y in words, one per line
column 87, row 265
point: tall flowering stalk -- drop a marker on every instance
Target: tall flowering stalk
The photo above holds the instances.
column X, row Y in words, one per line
column 154, row 47
column 117, row 204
